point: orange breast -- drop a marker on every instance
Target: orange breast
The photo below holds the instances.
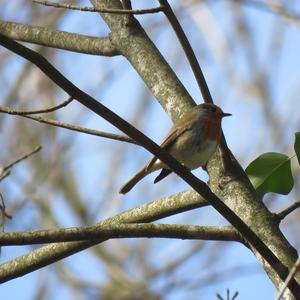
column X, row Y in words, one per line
column 212, row 128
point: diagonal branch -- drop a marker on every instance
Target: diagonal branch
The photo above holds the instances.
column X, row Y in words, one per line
column 4, row 172
column 280, row 216
column 168, row 206
column 189, row 52
column 35, row 150
column 166, row 158
column 58, row 39
column 118, row 137
column 116, row 231
column 293, row 272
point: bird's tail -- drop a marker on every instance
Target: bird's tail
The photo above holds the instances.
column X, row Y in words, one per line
column 133, row 181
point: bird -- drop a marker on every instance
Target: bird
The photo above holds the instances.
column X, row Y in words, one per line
column 192, row 141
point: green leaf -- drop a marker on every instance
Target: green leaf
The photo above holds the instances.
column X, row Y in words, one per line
column 271, row 172
column 297, row 145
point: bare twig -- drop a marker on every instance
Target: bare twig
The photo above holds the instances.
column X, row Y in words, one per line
column 280, row 216
column 189, row 52
column 4, row 174
column 5, row 171
column 35, row 112
column 113, row 231
column 101, row 10
column 294, row 270
column 118, row 137
column 8, row 167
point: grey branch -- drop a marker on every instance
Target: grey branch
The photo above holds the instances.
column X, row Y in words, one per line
column 103, row 10
column 112, row 231
column 35, row 112
column 108, row 135
column 148, row 212
column 58, row 39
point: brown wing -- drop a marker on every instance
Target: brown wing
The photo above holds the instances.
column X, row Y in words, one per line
column 183, row 125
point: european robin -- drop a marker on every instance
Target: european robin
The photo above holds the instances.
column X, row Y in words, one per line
column 192, row 141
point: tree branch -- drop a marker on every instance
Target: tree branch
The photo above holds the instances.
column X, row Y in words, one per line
column 4, row 172
column 149, row 212
column 189, row 52
column 58, row 39
column 116, row 231
column 294, row 270
column 129, row 37
column 35, row 112
column 280, row 216
column 198, row 185
column 102, row 10
column 117, row 137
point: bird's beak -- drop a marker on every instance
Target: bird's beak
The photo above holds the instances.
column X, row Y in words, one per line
column 225, row 115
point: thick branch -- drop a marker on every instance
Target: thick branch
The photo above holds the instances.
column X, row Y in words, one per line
column 129, row 37
column 58, row 39
column 113, row 231
column 148, row 212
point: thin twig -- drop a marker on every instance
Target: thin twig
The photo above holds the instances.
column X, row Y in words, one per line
column 35, row 150
column 118, row 137
column 189, row 52
column 113, row 231
column 280, row 216
column 101, row 10
column 35, row 112
column 294, row 270
column 4, row 174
